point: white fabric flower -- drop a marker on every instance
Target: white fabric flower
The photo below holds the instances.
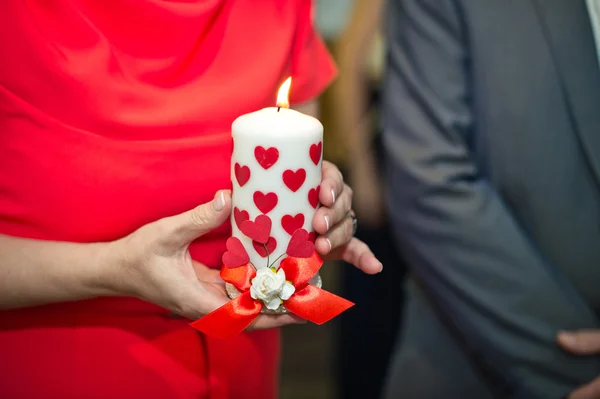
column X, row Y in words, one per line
column 270, row 287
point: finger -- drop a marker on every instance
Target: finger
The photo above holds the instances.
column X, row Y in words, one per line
column 589, row 391
column 332, row 184
column 186, row 227
column 327, row 217
column 582, row 342
column 206, row 274
column 358, row 254
column 194, row 300
column 339, row 235
column 265, row 321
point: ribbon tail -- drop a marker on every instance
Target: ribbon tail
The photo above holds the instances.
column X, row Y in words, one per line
column 230, row 319
column 316, row 305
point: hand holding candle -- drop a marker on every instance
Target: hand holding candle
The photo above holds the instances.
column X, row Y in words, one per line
column 271, row 260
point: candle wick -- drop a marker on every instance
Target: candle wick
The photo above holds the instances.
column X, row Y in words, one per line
column 278, row 108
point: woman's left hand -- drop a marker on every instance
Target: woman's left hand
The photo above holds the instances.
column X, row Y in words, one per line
column 335, row 226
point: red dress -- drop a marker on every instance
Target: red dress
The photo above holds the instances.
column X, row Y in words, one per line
column 113, row 114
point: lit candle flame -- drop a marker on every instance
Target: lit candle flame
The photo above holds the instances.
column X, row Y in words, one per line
column 283, row 93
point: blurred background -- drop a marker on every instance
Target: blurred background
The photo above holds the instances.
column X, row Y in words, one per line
column 320, row 362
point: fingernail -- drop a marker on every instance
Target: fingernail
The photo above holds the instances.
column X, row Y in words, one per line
column 219, row 202
column 380, row 267
column 333, row 195
column 327, row 222
column 328, row 243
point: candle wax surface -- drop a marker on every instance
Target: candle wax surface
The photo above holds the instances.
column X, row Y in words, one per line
column 275, row 171
column 268, row 122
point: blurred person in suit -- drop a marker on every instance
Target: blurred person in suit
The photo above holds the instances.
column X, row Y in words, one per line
column 366, row 333
column 492, row 134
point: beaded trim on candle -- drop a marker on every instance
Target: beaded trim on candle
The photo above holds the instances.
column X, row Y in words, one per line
column 233, row 293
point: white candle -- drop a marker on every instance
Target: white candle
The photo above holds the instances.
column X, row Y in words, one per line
column 276, row 171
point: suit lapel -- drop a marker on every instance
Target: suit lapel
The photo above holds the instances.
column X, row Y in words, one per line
column 568, row 29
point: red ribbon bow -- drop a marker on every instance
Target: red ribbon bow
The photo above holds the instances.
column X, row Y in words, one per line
column 308, row 302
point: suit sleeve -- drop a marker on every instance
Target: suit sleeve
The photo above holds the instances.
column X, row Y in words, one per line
column 502, row 299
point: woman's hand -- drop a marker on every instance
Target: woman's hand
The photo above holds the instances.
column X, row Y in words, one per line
column 153, row 263
column 333, row 221
column 157, row 267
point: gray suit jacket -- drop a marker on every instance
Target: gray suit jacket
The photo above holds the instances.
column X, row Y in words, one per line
column 492, row 129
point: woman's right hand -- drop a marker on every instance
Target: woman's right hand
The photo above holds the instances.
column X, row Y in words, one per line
column 156, row 265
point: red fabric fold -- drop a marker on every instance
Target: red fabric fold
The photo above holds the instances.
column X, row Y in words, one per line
column 231, row 318
column 239, row 277
column 301, row 270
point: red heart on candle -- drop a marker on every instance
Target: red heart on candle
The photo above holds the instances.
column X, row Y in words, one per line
column 265, row 202
column 292, row 223
column 312, row 237
column 270, row 247
column 236, row 254
column 259, row 230
column 240, row 216
column 315, row 152
column 294, row 180
column 313, row 196
column 242, row 174
column 266, row 158
column 300, row 246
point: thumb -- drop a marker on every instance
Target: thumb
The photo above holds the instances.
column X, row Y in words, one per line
column 582, row 342
column 188, row 226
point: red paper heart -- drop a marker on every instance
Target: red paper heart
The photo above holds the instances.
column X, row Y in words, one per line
column 313, row 196
column 300, row 246
column 270, row 247
column 242, row 174
column 236, row 254
column 312, row 237
column 259, row 230
column 265, row 202
column 292, row 223
column 240, row 216
column 315, row 152
column 266, row 158
column 294, row 180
